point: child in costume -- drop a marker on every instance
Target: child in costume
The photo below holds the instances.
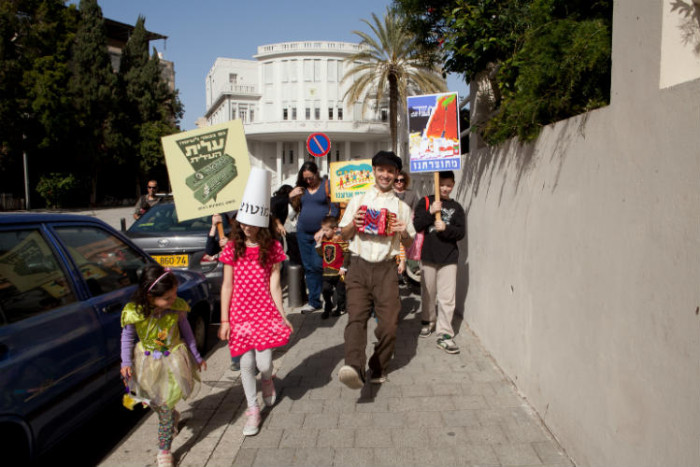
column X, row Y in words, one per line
column 336, row 259
column 162, row 367
column 252, row 315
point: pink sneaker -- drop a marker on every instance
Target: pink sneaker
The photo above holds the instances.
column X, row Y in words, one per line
column 252, row 425
column 268, row 392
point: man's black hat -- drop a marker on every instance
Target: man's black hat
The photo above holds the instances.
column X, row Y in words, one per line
column 387, row 158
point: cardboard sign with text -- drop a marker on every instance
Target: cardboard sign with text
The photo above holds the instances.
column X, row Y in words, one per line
column 349, row 179
column 208, row 169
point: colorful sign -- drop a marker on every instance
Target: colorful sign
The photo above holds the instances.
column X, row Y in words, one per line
column 318, row 144
column 433, row 132
column 208, row 169
column 350, row 178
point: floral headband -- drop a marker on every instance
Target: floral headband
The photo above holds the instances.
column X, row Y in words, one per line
column 167, row 271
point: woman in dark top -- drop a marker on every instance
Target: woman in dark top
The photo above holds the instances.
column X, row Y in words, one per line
column 280, row 205
column 314, row 193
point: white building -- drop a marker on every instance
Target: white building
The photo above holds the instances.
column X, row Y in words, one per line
column 291, row 90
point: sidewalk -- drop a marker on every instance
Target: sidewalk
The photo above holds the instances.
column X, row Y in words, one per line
column 435, row 409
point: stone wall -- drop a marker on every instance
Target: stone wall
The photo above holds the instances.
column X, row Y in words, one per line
column 581, row 263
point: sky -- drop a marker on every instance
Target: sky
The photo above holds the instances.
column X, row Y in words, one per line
column 201, row 31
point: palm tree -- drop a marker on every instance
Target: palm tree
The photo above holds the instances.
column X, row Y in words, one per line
column 391, row 60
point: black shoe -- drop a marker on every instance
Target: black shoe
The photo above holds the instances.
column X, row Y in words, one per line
column 338, row 311
column 325, row 314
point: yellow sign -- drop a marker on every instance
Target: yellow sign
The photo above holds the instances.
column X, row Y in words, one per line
column 349, row 179
column 208, row 169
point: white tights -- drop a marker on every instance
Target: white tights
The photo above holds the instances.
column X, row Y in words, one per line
column 249, row 360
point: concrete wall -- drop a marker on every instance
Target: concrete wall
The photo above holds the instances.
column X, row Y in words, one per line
column 582, row 262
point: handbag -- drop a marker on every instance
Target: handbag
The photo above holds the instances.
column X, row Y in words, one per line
column 414, row 251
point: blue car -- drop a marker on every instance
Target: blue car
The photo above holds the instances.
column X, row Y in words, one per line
column 64, row 280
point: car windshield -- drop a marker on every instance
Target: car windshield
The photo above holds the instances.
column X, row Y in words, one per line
column 162, row 218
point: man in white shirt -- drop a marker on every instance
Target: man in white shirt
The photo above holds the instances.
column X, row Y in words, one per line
column 374, row 224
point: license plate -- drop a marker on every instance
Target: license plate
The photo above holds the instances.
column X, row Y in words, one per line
column 172, row 261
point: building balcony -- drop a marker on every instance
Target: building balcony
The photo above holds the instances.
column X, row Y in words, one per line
column 307, row 47
column 300, row 129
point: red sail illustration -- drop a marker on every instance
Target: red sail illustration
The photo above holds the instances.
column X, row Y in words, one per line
column 443, row 121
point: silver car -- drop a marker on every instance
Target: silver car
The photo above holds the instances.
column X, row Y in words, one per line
column 179, row 244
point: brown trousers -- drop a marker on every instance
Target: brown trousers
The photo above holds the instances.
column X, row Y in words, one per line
column 366, row 284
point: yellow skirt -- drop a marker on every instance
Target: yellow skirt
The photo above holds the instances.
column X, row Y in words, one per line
column 165, row 380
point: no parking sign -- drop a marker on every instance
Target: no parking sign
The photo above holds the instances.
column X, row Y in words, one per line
column 318, row 144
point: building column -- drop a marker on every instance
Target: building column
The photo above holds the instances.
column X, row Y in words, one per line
column 301, row 151
column 278, row 159
column 347, row 156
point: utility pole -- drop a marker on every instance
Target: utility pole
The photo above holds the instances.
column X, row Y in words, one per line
column 27, row 204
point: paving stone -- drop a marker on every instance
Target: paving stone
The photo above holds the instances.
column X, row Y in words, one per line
column 461, row 418
column 354, row 420
column 336, row 438
column 353, row 457
column 299, row 438
column 321, row 420
column 372, row 437
column 264, row 439
column 516, row 454
column 266, row 457
column 551, row 454
column 393, row 456
column 286, row 420
column 476, row 454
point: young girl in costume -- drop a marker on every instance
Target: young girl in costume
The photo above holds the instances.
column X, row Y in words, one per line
column 162, row 367
column 252, row 316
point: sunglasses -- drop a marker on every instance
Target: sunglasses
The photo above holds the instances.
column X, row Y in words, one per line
column 400, row 180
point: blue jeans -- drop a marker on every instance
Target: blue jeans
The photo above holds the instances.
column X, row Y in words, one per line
column 313, row 267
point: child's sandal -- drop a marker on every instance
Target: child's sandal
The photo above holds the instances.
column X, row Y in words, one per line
column 165, row 459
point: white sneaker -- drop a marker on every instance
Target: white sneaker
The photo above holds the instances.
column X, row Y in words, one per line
column 252, row 425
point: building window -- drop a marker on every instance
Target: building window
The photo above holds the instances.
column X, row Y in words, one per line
column 332, row 70
column 284, row 114
column 293, row 71
column 308, row 70
column 340, row 113
column 232, row 78
column 317, row 113
column 268, row 73
column 244, row 113
column 252, row 115
column 294, row 113
column 285, row 71
column 233, row 113
column 330, row 113
column 385, row 115
column 308, row 113
column 317, row 70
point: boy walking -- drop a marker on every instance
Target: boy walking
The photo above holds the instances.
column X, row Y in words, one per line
column 334, row 252
column 374, row 223
column 439, row 258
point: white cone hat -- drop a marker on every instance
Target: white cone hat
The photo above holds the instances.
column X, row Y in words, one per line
column 255, row 205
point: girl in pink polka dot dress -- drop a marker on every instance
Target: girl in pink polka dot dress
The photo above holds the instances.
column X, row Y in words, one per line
column 252, row 316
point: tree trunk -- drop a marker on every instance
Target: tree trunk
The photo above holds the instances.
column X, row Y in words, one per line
column 393, row 110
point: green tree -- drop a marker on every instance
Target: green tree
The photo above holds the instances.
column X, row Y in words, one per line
column 92, row 88
column 519, row 47
column 390, row 60
column 150, row 109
